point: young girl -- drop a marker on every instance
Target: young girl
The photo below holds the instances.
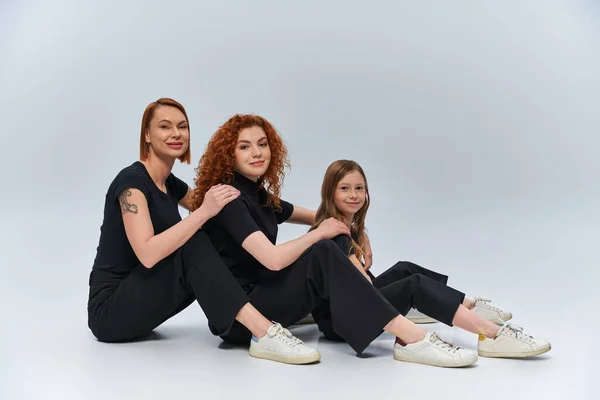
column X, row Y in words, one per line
column 287, row 281
column 151, row 264
column 345, row 197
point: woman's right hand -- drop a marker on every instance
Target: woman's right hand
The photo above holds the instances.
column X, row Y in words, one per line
column 218, row 197
column 331, row 228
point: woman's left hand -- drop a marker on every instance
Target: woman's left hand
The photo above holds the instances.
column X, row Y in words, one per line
column 367, row 251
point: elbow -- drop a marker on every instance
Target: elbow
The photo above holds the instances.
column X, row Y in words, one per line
column 274, row 265
column 147, row 262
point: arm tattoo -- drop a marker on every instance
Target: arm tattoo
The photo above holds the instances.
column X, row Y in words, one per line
column 125, row 205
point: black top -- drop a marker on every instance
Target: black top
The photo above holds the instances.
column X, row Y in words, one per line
column 238, row 220
column 114, row 252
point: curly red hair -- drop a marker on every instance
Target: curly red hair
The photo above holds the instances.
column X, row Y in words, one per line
column 217, row 163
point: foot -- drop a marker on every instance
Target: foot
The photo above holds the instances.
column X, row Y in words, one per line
column 306, row 320
column 511, row 342
column 485, row 310
column 435, row 351
column 419, row 318
column 280, row 345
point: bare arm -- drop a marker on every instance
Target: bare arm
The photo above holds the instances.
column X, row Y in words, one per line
column 186, row 201
column 277, row 257
column 150, row 248
column 359, row 265
column 366, row 248
column 302, row 216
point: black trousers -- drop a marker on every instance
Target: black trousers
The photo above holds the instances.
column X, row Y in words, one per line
column 405, row 285
column 123, row 308
column 359, row 312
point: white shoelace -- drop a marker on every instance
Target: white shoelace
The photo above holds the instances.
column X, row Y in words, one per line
column 284, row 335
column 479, row 301
column 517, row 332
column 438, row 341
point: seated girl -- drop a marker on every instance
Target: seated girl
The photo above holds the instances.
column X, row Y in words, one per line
column 287, row 281
column 345, row 197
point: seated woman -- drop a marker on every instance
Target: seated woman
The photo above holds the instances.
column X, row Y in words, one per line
column 287, row 281
column 150, row 264
column 345, row 197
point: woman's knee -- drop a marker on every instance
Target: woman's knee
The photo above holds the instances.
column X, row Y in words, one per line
column 415, row 280
column 326, row 245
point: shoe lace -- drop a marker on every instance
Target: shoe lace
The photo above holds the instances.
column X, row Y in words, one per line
column 276, row 330
column 444, row 344
column 517, row 332
column 486, row 303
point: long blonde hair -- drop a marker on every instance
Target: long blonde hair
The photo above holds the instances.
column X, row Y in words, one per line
column 327, row 209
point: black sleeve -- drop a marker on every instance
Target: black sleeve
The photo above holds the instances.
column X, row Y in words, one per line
column 180, row 187
column 235, row 218
column 286, row 212
column 131, row 179
column 344, row 243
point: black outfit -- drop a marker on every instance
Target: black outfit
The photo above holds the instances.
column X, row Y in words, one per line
column 405, row 285
column 359, row 312
column 127, row 300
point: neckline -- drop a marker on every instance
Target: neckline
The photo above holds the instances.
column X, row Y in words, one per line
column 141, row 164
column 246, row 184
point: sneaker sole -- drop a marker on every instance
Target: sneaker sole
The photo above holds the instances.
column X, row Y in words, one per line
column 296, row 360
column 439, row 363
column 493, row 354
column 422, row 320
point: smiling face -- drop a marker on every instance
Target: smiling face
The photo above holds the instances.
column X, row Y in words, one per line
column 252, row 153
column 350, row 194
column 168, row 134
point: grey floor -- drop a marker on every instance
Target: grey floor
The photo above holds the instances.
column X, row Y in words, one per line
column 48, row 353
column 476, row 123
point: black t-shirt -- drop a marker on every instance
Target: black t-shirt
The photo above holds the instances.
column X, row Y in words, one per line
column 238, row 220
column 114, row 252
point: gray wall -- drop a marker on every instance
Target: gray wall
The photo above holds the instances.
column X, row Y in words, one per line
column 475, row 121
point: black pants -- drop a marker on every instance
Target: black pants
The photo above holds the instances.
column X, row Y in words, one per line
column 405, row 285
column 122, row 308
column 359, row 312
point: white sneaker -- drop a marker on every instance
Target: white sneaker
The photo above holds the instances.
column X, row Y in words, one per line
column 280, row 345
column 434, row 351
column 511, row 342
column 487, row 311
column 418, row 317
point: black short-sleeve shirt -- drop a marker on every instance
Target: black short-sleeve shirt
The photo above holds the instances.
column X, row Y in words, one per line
column 238, row 220
column 114, row 252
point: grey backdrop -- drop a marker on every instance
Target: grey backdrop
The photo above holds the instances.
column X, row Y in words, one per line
column 476, row 122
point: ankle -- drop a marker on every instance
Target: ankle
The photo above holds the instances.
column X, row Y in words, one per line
column 254, row 321
column 262, row 329
column 470, row 304
column 410, row 337
column 492, row 332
